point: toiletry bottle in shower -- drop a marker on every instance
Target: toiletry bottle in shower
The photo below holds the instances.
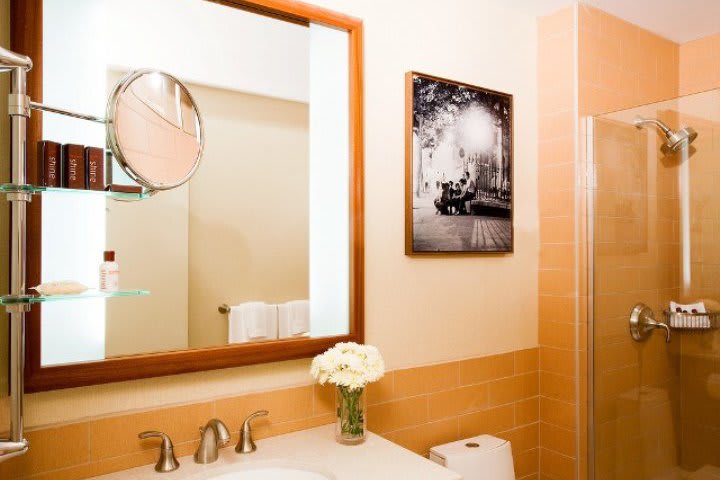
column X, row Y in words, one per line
column 109, row 273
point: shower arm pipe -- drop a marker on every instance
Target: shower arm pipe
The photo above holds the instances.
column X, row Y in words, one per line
column 19, row 111
column 641, row 122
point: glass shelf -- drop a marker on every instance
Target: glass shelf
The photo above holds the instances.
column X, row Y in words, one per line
column 10, row 188
column 13, row 300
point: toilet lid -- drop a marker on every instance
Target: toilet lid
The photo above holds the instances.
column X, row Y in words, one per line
column 469, row 446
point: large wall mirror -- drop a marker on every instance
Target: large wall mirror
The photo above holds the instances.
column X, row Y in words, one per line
column 270, row 225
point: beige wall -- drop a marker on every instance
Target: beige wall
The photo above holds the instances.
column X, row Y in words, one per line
column 249, row 208
column 418, row 310
column 150, row 239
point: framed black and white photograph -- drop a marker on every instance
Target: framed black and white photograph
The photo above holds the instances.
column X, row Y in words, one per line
column 458, row 167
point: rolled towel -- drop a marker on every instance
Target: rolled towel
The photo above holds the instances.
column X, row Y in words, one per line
column 252, row 321
column 294, row 319
column 300, row 317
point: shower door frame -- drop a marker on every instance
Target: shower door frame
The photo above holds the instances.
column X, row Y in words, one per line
column 590, row 187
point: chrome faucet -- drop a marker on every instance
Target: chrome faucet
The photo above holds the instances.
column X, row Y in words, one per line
column 167, row 461
column 213, row 436
column 246, row 444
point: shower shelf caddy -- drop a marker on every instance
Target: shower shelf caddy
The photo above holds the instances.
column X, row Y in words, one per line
column 19, row 193
column 692, row 321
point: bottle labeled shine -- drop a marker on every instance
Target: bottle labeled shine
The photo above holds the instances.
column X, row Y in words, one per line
column 109, row 273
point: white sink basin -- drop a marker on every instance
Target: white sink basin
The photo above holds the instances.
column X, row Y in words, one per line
column 311, row 454
column 269, row 471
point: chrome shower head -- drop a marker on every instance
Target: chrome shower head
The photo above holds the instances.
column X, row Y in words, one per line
column 674, row 140
column 679, row 139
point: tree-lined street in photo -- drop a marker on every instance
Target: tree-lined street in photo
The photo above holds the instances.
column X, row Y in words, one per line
column 462, row 168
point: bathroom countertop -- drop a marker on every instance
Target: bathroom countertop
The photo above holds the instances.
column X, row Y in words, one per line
column 315, row 449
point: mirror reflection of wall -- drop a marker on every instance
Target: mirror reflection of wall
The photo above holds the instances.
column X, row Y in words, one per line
column 265, row 218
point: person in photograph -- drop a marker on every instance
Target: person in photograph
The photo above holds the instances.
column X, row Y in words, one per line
column 466, row 194
column 472, row 187
column 455, row 196
column 451, row 196
column 459, row 196
column 442, row 201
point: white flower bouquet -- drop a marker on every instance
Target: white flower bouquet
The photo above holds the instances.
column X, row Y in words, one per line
column 350, row 367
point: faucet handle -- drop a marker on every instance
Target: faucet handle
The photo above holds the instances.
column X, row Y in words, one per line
column 167, row 461
column 246, row 443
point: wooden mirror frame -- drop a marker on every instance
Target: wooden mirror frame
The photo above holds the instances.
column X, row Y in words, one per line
column 26, row 20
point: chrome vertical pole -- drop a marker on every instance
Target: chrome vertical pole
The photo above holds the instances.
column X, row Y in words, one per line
column 19, row 111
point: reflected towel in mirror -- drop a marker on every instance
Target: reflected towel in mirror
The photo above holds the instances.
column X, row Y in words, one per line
column 294, row 319
column 251, row 322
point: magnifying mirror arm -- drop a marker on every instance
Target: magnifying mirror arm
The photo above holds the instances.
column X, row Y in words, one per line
column 69, row 113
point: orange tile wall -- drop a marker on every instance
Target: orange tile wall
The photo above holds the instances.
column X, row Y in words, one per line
column 622, row 65
column 700, row 65
column 416, row 408
column 558, row 246
column 618, row 65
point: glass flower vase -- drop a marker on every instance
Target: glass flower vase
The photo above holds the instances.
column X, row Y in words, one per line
column 350, row 411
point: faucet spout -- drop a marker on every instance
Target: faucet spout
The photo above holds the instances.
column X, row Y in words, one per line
column 212, row 436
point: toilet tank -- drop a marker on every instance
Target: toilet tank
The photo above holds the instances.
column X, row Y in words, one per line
column 484, row 457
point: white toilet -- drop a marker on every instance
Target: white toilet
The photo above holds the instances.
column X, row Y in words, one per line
column 484, row 457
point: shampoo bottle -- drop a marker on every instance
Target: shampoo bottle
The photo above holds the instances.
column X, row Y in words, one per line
column 109, row 273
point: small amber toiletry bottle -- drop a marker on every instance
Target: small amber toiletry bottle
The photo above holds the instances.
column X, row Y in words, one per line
column 109, row 273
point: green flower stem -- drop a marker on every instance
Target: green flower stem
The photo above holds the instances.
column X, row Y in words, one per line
column 350, row 412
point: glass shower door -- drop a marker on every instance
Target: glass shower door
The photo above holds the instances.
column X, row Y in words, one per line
column 654, row 230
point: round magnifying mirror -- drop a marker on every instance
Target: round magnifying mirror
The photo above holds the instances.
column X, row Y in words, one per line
column 154, row 129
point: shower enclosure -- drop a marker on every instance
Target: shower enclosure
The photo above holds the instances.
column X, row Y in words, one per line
column 653, row 223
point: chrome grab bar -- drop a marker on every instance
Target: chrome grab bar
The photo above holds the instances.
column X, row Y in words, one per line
column 642, row 323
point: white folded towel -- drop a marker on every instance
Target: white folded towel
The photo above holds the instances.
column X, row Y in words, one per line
column 294, row 319
column 252, row 321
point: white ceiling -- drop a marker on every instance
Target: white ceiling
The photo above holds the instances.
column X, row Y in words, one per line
column 677, row 20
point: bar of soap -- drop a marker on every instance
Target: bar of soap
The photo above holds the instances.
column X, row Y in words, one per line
column 64, row 287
